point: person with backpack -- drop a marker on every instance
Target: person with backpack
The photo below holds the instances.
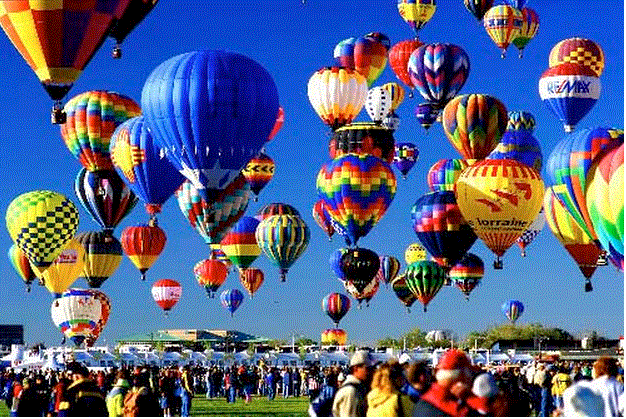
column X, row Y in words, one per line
column 351, row 398
column 115, row 398
column 385, row 398
column 140, row 400
column 321, row 404
column 83, row 396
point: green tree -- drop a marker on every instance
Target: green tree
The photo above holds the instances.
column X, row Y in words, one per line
column 529, row 331
column 414, row 338
column 388, row 342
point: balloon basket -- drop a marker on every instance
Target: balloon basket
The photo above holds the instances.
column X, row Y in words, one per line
column 117, row 52
column 497, row 264
column 521, row 53
column 503, row 55
column 28, row 288
column 57, row 116
column 588, row 286
column 143, row 276
column 523, row 254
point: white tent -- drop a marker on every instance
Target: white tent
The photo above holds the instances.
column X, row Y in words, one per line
column 129, row 359
column 171, row 358
column 241, row 357
column 85, row 358
column 150, row 358
column 51, row 362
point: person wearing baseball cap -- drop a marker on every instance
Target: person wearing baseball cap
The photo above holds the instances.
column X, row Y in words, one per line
column 446, row 397
column 351, row 398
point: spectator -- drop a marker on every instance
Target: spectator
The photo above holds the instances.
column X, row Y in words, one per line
column 115, row 398
column 605, row 383
column 581, row 400
column 83, row 395
column 385, row 398
column 351, row 399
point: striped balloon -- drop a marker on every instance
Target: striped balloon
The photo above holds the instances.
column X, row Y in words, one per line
column 143, row 244
column 321, row 217
column 503, row 23
column 283, row 239
column 520, row 146
column 210, row 274
column 467, row 273
column 389, row 268
column 276, row 208
column 77, row 313
column 425, row 279
column 334, row 337
column 396, row 92
column 231, row 300
column 20, row 263
column 91, row 120
column 366, row 295
column 530, row 26
column 478, row 7
column 512, row 309
column 417, row 13
column 474, row 124
column 403, row 292
column 438, row 72
column 521, row 120
column 166, row 293
column 444, row 173
column 357, row 190
column 336, row 306
column 251, row 279
column 578, row 51
column 399, row 55
column 240, row 244
column 103, row 255
column 258, row 172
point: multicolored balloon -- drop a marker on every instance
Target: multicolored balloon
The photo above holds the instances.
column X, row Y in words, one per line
column 21, row 265
column 321, row 217
column 512, row 309
column 414, row 253
column 521, row 120
column 366, row 295
column 336, row 306
column 276, row 208
column 210, row 274
column 570, row 91
column 396, row 92
column 240, row 244
column 143, row 244
column 417, row 13
column 231, row 299
column 467, row 273
column 359, row 267
column 503, row 23
column 67, row 267
column 166, row 293
column 91, row 120
column 337, row 95
column 334, row 337
column 137, row 159
column 529, row 235
column 183, row 102
column 357, row 190
column 213, row 219
column 399, row 56
column 520, row 146
column 530, row 26
column 41, row 223
column 443, row 175
column 105, row 196
column 367, row 55
column 251, row 279
column 474, row 124
column 378, row 103
column 78, row 314
column 499, row 199
column 424, row 279
column 578, row 51
column 389, row 268
column 363, row 138
column 103, row 255
column 136, row 11
column 405, row 157
column 403, row 292
column 105, row 312
column 258, row 172
column 283, row 239
column 426, row 114
column 478, row 7
column 518, row 4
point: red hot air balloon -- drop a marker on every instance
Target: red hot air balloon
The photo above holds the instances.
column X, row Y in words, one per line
column 399, row 56
column 251, row 279
column 166, row 293
column 210, row 274
column 143, row 244
column 321, row 217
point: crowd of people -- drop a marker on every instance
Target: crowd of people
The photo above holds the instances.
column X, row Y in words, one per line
column 398, row 387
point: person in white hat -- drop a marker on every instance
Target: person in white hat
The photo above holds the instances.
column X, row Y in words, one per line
column 351, row 398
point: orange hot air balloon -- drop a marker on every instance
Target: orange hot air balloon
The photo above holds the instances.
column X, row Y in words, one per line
column 399, row 55
column 210, row 274
column 143, row 244
column 499, row 199
column 251, row 279
column 22, row 265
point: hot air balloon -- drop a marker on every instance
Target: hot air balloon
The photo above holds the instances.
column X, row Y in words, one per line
column 578, row 51
column 136, row 11
column 283, row 239
column 210, row 121
column 41, row 223
column 251, row 279
column 568, row 168
column 444, row 173
column 499, row 199
column 321, row 217
column 336, row 305
column 391, row 121
column 103, row 255
column 467, row 273
column 396, row 92
column 366, row 295
column 417, row 12
column 58, row 39
column 137, row 158
column 478, row 7
column 21, row 265
column 240, row 244
column 143, row 244
column 605, row 202
column 258, row 172
column 105, row 196
column 378, row 104
column 503, row 23
column 388, row 270
column 403, row 292
column 438, row 80
column 414, row 253
column 426, row 114
column 334, row 337
column 512, row 309
column 280, row 120
column 521, row 120
column 366, row 55
column 276, row 208
column 77, row 313
column 399, row 56
column 105, row 312
column 520, row 146
column 518, row 4
column 424, row 279
column 217, row 253
column 363, row 138
column 359, row 266
column 337, row 95
column 474, row 124
column 231, row 300
column 406, row 155
column 210, row 274
column 166, row 293
column 530, row 25
column 357, row 190
column 66, row 268
column 575, row 240
column 213, row 219
column 91, row 120
column 440, row 227
column 570, row 91
column 335, row 262
column 531, row 232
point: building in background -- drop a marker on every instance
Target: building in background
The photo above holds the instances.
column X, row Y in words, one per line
column 10, row 334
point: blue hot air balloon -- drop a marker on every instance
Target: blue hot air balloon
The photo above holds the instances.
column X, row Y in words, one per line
column 211, row 111
column 231, row 299
column 137, row 159
column 521, row 146
column 335, row 262
column 512, row 309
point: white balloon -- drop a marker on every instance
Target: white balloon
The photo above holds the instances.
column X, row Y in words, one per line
column 378, row 103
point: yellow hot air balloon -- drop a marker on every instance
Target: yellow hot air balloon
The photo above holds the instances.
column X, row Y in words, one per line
column 396, row 92
column 414, row 253
column 499, row 199
column 503, row 24
column 41, row 223
column 66, row 268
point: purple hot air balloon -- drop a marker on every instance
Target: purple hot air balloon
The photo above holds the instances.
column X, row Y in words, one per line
column 406, row 155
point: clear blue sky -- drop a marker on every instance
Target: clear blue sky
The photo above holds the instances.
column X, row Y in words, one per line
column 291, row 41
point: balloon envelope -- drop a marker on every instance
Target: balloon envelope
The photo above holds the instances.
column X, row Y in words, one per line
column 166, row 293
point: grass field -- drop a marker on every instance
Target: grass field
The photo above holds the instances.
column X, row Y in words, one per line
column 259, row 406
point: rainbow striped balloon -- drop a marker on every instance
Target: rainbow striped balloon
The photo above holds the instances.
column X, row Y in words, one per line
column 240, row 244
column 467, row 273
column 336, row 305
